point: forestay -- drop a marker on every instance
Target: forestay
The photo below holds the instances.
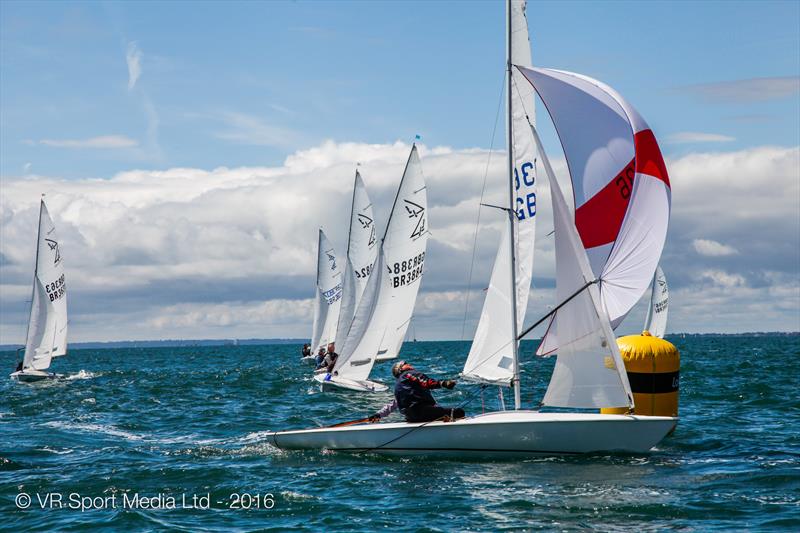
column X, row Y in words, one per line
column 47, row 327
column 589, row 371
column 362, row 250
column 385, row 310
column 329, row 294
column 619, row 181
column 656, row 321
column 491, row 354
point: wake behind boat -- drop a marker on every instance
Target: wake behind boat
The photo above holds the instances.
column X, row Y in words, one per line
column 47, row 325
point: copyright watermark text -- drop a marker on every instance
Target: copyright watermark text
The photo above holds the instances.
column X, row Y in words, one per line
column 134, row 500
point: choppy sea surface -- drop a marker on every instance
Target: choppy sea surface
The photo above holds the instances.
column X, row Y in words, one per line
column 180, row 423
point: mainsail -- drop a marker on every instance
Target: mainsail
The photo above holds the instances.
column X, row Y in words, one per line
column 385, row 310
column 656, row 321
column 329, row 294
column 47, row 327
column 620, row 186
column 491, row 355
column 362, row 250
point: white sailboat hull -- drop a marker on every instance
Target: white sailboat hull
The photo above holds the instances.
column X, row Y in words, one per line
column 507, row 433
column 336, row 382
column 31, row 375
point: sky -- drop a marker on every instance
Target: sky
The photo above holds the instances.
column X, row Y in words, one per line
column 190, row 151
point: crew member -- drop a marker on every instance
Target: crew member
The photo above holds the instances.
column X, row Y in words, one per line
column 330, row 359
column 306, row 350
column 412, row 396
column 19, row 367
column 320, row 356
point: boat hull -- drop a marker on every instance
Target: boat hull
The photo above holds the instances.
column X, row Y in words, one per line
column 309, row 359
column 507, row 433
column 335, row 382
column 30, row 375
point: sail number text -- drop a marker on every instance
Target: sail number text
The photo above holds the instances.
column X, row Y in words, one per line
column 408, row 271
column 57, row 289
column 526, row 206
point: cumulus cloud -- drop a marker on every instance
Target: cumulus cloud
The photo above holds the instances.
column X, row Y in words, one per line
column 712, row 248
column 101, row 142
column 230, row 252
column 133, row 57
column 686, row 137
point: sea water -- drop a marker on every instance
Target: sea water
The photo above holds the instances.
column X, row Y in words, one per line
column 174, row 439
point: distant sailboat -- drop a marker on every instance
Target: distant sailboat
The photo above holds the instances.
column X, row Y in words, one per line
column 382, row 317
column 328, row 295
column 605, row 257
column 656, row 321
column 47, row 326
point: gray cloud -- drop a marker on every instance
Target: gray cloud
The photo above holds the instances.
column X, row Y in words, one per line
column 747, row 90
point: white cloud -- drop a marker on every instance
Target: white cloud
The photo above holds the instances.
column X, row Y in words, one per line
column 101, row 142
column 711, row 248
column 686, row 137
column 242, row 128
column 187, row 252
column 133, row 57
column 748, row 90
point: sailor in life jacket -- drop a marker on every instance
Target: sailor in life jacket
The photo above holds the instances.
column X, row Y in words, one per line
column 412, row 396
column 330, row 359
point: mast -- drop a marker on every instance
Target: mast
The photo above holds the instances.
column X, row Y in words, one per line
column 511, row 214
column 35, row 276
column 352, row 212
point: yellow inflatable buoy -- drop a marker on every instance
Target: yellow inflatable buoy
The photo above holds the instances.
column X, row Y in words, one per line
column 653, row 367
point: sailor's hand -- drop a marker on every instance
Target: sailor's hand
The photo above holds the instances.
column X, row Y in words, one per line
column 448, row 384
column 374, row 418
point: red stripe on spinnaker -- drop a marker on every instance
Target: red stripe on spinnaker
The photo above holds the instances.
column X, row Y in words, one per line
column 648, row 156
column 599, row 219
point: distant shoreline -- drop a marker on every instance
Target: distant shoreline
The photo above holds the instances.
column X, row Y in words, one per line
column 179, row 343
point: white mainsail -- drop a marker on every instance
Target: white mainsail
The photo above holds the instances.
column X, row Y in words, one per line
column 656, row 321
column 620, row 185
column 362, row 250
column 329, row 294
column 385, row 310
column 491, row 355
column 47, row 327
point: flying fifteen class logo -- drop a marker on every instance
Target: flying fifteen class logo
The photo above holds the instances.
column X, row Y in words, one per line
column 416, row 211
column 53, row 245
column 366, row 223
column 332, row 259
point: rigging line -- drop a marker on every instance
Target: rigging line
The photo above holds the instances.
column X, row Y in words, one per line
column 483, row 190
column 559, row 306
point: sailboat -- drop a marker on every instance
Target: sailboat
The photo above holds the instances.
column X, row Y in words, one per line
column 606, row 254
column 656, row 321
column 47, row 326
column 384, row 312
column 328, row 295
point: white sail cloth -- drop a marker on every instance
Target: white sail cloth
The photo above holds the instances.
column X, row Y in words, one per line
column 656, row 321
column 47, row 326
column 328, row 296
column 491, row 355
column 362, row 250
column 620, row 186
column 385, row 310
column 589, row 371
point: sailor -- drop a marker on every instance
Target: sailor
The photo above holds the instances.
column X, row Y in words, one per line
column 330, row 358
column 412, row 396
column 19, row 367
column 306, row 350
column 320, row 356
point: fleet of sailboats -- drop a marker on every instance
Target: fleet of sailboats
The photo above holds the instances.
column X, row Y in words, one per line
column 378, row 326
column 47, row 325
column 606, row 253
